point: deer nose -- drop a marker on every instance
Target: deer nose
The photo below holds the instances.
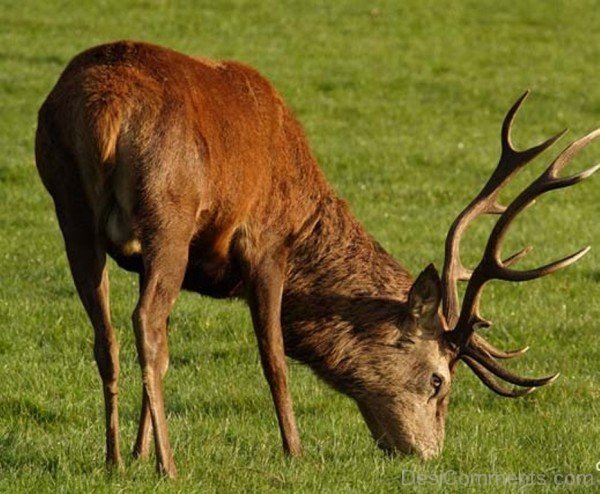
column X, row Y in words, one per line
column 430, row 452
column 395, row 448
column 401, row 448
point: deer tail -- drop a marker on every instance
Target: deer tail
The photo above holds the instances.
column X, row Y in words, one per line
column 107, row 122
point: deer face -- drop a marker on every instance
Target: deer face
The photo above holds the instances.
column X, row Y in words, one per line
column 408, row 382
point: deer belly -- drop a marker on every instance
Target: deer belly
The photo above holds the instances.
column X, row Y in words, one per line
column 218, row 281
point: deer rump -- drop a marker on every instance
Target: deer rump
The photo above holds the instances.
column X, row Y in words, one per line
column 140, row 110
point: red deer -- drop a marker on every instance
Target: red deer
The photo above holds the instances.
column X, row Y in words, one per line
column 195, row 175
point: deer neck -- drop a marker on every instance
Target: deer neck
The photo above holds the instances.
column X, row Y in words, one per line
column 340, row 283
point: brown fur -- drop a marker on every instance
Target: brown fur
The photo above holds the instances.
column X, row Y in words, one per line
column 195, row 174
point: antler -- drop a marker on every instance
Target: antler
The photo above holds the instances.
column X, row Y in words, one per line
column 479, row 354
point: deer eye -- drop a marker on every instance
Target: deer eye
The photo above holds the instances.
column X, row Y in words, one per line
column 436, row 383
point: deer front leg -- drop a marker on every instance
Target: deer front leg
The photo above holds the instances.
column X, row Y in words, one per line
column 265, row 282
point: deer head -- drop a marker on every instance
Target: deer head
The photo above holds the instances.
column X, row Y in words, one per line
column 407, row 380
column 418, row 365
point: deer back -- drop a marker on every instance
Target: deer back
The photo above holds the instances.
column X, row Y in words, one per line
column 150, row 127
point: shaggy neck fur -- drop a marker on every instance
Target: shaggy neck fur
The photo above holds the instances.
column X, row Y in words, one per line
column 341, row 288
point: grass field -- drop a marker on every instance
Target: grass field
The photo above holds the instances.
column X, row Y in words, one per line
column 402, row 102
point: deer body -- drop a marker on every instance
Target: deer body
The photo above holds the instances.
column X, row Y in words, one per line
column 195, row 175
column 143, row 149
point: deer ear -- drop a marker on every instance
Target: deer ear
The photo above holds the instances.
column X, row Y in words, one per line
column 426, row 293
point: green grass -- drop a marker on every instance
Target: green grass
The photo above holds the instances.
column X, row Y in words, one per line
column 402, row 102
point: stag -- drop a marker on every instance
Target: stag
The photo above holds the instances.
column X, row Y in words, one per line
column 195, row 175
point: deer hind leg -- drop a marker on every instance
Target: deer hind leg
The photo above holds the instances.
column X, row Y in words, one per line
column 91, row 281
column 87, row 260
column 165, row 261
column 141, row 447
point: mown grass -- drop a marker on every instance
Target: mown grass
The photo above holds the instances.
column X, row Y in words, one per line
column 402, row 103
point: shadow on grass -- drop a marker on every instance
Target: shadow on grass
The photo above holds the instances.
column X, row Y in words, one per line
column 20, row 456
column 592, row 275
column 29, row 411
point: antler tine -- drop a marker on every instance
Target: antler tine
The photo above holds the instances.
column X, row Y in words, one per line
column 511, row 161
column 483, row 344
column 576, row 178
column 506, row 135
column 531, row 274
column 516, row 257
column 487, row 378
column 495, row 368
column 569, row 153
